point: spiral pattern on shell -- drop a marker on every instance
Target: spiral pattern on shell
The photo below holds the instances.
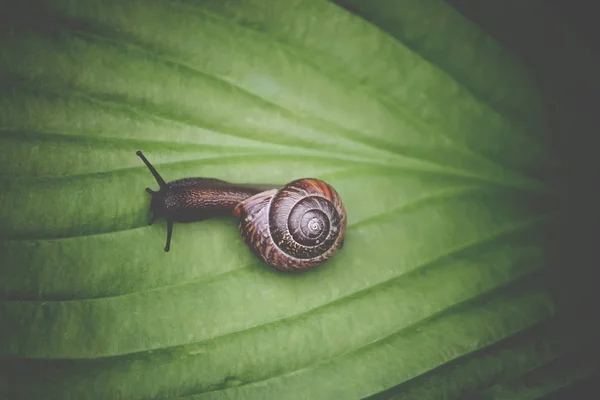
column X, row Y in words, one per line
column 295, row 228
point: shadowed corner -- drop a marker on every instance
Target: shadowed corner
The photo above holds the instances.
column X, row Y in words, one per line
column 35, row 15
column 564, row 55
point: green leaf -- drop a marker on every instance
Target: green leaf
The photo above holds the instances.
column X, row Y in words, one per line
column 431, row 143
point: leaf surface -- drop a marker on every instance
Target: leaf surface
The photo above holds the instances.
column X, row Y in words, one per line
column 445, row 254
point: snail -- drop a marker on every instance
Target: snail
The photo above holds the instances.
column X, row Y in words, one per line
column 291, row 228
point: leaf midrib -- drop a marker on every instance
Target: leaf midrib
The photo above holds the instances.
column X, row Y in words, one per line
column 393, row 213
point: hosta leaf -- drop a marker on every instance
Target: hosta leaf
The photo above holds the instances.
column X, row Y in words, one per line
column 430, row 132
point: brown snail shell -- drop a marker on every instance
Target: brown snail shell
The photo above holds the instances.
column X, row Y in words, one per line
column 295, row 228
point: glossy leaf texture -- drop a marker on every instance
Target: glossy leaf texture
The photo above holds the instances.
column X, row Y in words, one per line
column 431, row 135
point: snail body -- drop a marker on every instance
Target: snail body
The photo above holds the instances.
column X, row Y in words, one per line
column 292, row 228
column 194, row 199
